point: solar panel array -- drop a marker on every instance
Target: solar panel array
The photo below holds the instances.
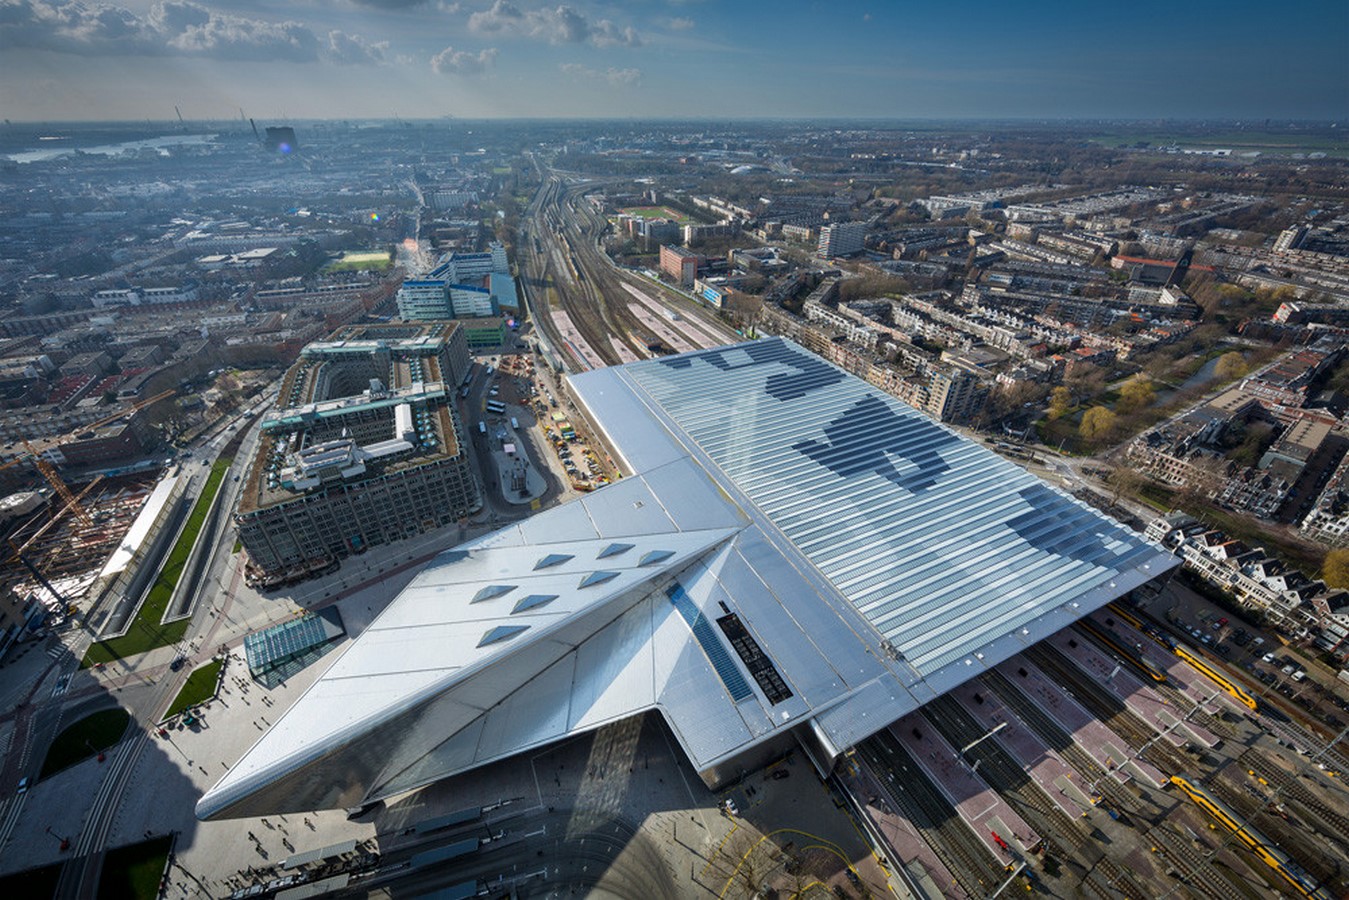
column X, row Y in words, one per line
column 942, row 545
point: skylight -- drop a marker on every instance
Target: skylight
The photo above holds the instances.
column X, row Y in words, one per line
column 552, row 559
column 655, row 556
column 598, row 577
column 501, row 633
column 492, row 590
column 533, row 601
column 614, row 550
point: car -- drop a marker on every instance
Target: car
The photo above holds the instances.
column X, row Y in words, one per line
column 779, row 774
column 178, row 663
column 1267, row 658
column 23, row 786
column 1222, row 621
column 731, row 807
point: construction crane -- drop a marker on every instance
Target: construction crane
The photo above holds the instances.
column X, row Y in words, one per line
column 53, row 477
column 19, row 555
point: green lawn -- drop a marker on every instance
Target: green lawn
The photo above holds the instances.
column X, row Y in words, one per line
column 199, row 687
column 147, row 630
column 132, row 872
column 354, row 262
column 658, row 212
column 100, row 730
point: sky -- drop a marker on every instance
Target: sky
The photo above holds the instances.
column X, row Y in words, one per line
column 274, row 59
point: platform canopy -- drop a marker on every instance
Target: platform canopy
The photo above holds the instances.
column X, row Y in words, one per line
column 799, row 556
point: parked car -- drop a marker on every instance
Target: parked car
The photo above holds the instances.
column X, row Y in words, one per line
column 23, row 786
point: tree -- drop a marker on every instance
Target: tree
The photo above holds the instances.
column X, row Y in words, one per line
column 1335, row 570
column 1097, row 424
column 1136, row 394
column 1060, row 401
column 1230, row 366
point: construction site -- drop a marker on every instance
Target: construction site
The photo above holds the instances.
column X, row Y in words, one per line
column 70, row 539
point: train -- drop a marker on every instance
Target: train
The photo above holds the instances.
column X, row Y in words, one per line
column 1197, row 662
column 1192, row 657
column 1268, row 852
column 1117, row 645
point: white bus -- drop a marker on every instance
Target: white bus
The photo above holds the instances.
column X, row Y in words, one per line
column 496, row 406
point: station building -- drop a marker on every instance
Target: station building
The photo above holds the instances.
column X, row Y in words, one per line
column 365, row 448
column 797, row 561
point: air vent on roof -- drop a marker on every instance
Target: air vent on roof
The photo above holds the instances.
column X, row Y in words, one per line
column 501, row 633
column 598, row 577
column 552, row 559
column 655, row 556
column 533, row 601
column 492, row 590
column 614, row 550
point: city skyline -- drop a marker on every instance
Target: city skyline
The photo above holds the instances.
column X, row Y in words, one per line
column 385, row 58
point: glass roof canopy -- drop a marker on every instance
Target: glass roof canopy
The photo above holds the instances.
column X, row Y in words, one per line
column 938, row 542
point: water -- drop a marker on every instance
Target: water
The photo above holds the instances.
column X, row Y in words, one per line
column 162, row 144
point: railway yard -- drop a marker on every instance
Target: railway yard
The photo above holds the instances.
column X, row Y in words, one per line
column 590, row 313
column 1111, row 760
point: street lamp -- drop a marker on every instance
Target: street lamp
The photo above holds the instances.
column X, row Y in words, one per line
column 65, row 841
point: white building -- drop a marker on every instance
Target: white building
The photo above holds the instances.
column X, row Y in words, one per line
column 798, row 560
column 842, row 239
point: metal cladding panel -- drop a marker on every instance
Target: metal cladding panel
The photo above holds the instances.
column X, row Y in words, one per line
column 613, row 673
column 636, row 435
column 815, row 610
column 939, row 543
column 797, row 654
column 691, row 498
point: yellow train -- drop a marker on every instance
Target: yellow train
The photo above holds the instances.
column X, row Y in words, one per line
column 1197, row 662
column 1253, row 840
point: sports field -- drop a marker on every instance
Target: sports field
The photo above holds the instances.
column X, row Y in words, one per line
column 353, row 261
column 658, row 212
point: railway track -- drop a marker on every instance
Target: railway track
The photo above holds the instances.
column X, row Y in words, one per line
column 1331, row 819
column 910, row 791
column 569, row 273
column 1179, row 853
column 1254, row 811
column 1111, row 711
column 1099, row 875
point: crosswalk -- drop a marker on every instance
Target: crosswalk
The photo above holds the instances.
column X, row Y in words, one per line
column 62, row 685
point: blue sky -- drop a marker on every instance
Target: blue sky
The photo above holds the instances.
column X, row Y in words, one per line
column 132, row 59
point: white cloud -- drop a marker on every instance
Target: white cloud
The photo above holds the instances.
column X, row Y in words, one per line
column 354, row 50
column 557, row 25
column 170, row 28
column 463, row 62
column 680, row 23
column 616, row 77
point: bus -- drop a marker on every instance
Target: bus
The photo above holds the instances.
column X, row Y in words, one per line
column 496, row 406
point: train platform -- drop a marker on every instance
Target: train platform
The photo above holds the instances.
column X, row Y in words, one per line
column 1045, row 767
column 921, row 864
column 1140, row 697
column 981, row 807
column 1193, row 684
column 1098, row 741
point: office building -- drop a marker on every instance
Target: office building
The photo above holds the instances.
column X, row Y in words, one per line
column 796, row 561
column 364, row 448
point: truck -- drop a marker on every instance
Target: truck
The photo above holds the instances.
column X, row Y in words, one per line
column 482, row 427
